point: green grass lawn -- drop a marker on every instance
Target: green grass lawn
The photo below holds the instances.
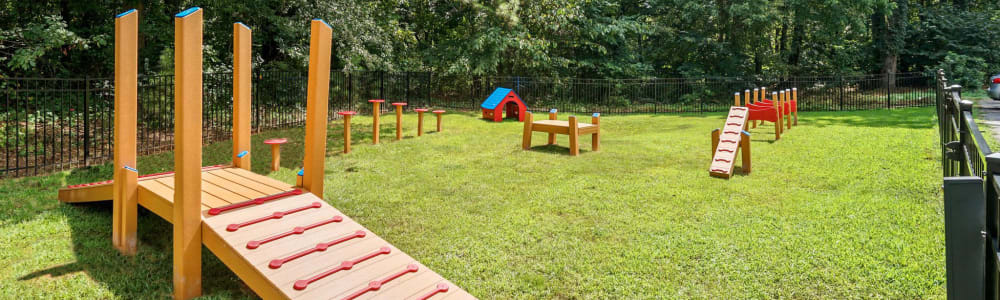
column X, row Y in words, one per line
column 846, row 205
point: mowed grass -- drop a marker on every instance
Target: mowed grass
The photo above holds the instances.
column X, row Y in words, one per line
column 846, row 205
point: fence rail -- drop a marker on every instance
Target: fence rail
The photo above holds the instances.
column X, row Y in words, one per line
column 971, row 196
column 52, row 124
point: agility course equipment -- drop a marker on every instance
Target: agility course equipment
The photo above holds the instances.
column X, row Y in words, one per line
column 275, row 151
column 572, row 128
column 420, row 120
column 438, row 114
column 399, row 119
column 284, row 241
column 500, row 100
column 728, row 141
column 347, row 129
column 376, row 112
column 765, row 111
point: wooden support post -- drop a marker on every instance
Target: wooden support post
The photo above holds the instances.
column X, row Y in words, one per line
column 716, row 134
column 574, row 136
column 595, row 139
column 321, row 38
column 399, row 119
column 756, row 95
column 420, row 121
column 763, row 94
column 526, row 139
column 125, row 176
column 347, row 130
column 736, row 102
column 777, row 112
column 376, row 113
column 241, row 95
column 275, row 156
column 552, row 136
column 786, row 105
column 795, row 99
column 746, row 97
column 745, row 145
column 438, row 113
column 187, row 153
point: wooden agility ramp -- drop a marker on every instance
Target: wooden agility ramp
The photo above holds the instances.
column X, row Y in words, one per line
column 283, row 241
column 728, row 141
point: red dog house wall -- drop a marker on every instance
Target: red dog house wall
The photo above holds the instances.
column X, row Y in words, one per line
column 503, row 99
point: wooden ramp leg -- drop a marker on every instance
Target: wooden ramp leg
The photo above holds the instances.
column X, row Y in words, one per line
column 715, row 140
column 526, row 139
column 187, row 158
column 595, row 139
column 552, row 136
column 574, row 136
column 745, row 145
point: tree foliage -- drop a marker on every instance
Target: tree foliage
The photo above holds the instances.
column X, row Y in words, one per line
column 558, row 38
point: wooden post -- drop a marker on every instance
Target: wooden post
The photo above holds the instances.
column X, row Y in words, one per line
column 526, row 139
column 420, row 121
column 241, row 95
column 756, row 95
column 347, row 134
column 347, row 129
column 746, row 97
column 786, row 107
column 275, row 156
column 438, row 113
column 376, row 113
column 736, row 102
column 763, row 93
column 795, row 99
column 399, row 119
column 125, row 175
column 595, row 139
column 552, row 136
column 745, row 144
column 574, row 136
column 777, row 112
column 715, row 140
column 321, row 38
column 187, row 153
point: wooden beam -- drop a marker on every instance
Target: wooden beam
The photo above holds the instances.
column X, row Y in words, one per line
column 187, row 153
column 241, row 95
column 574, row 136
column 125, row 194
column 316, row 106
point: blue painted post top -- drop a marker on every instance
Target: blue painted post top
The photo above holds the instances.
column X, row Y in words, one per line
column 244, row 25
column 187, row 12
column 302, row 172
column 324, row 22
column 553, row 110
column 596, row 115
column 746, row 132
column 242, row 154
column 125, row 13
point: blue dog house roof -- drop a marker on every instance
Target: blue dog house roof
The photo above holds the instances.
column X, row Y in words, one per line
column 495, row 98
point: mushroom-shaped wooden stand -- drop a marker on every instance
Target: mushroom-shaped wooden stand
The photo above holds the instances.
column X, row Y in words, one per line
column 275, row 151
column 438, row 113
column 347, row 129
column 399, row 119
column 420, row 120
column 376, row 112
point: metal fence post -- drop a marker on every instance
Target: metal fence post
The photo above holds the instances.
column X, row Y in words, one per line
column 841, row 102
column 888, row 90
column 965, row 237
column 86, row 121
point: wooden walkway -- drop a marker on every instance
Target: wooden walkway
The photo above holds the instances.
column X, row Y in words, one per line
column 295, row 245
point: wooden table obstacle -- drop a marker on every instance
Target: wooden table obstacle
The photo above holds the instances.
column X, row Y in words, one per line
column 376, row 112
column 399, row 119
column 572, row 128
column 728, row 141
column 420, row 120
column 438, row 114
column 283, row 241
column 347, row 129
column 275, row 151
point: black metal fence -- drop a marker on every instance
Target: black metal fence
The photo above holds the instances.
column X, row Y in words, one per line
column 971, row 196
column 53, row 124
